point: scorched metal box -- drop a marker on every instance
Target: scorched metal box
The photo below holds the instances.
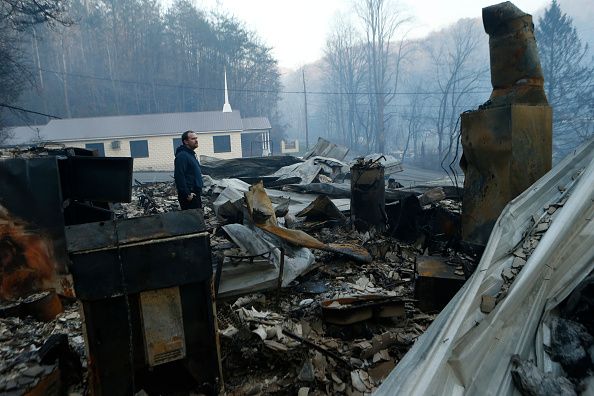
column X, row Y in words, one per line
column 145, row 288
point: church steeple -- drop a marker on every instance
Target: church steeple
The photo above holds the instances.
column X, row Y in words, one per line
column 226, row 106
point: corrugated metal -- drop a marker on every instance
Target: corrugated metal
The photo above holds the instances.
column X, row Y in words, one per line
column 140, row 125
column 468, row 352
column 254, row 123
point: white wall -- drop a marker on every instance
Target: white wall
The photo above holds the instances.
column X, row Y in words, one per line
column 161, row 150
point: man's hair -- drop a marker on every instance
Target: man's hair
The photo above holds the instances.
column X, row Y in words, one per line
column 185, row 135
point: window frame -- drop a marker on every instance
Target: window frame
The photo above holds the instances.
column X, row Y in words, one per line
column 176, row 143
column 100, row 147
column 227, row 143
column 145, row 149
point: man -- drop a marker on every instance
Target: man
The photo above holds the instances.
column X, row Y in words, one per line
column 188, row 177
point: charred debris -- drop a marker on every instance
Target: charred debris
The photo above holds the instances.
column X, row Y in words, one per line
column 317, row 297
column 320, row 287
column 314, row 274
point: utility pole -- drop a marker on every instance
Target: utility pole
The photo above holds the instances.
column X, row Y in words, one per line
column 305, row 100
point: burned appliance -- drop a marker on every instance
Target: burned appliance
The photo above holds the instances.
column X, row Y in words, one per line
column 145, row 288
column 144, row 283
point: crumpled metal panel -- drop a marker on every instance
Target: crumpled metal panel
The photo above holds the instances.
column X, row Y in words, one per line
column 262, row 213
column 324, row 148
column 322, row 208
column 466, row 351
column 162, row 324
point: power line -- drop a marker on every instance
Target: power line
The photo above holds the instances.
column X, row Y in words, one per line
column 28, row 111
column 256, row 91
column 410, row 106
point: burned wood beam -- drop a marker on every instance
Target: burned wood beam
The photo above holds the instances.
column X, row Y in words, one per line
column 262, row 214
column 318, row 348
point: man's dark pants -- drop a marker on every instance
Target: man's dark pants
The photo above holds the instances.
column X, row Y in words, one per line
column 195, row 203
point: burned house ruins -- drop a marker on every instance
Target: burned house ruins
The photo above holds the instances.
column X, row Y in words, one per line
column 312, row 275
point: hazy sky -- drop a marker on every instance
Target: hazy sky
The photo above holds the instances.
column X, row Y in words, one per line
column 297, row 29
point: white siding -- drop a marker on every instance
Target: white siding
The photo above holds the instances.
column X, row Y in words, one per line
column 161, row 154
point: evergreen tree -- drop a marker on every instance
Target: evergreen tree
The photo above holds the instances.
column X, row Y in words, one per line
column 569, row 79
column 130, row 57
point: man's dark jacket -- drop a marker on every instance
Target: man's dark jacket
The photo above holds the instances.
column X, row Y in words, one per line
column 188, row 176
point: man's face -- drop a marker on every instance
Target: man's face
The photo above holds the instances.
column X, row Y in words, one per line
column 192, row 141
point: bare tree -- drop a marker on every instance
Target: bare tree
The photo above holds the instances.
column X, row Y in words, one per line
column 381, row 22
column 344, row 57
column 457, row 75
column 22, row 14
column 415, row 119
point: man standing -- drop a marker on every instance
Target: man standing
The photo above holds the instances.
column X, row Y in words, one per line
column 187, row 174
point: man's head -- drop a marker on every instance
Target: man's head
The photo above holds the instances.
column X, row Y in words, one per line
column 190, row 140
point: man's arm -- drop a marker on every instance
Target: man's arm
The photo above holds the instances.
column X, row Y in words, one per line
column 199, row 180
column 181, row 166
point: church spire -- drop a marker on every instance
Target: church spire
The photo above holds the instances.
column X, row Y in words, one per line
column 226, row 106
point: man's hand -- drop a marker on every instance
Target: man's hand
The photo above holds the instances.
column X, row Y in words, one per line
column 191, row 197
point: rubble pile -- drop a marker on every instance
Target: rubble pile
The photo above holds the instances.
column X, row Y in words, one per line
column 340, row 327
column 290, row 344
column 314, row 303
column 571, row 347
column 537, row 337
column 149, row 199
column 35, row 354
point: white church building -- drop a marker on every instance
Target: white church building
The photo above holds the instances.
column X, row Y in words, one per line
column 151, row 139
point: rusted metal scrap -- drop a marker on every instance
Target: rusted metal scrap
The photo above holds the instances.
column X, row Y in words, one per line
column 516, row 74
column 262, row 213
column 507, row 143
column 26, row 258
column 150, row 318
column 349, row 310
